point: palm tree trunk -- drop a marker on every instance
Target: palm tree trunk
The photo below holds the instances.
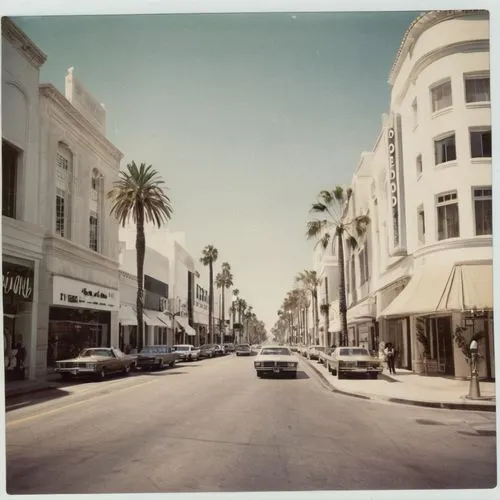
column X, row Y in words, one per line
column 307, row 326
column 223, row 318
column 140, row 250
column 211, row 305
column 316, row 313
column 342, row 294
column 327, row 314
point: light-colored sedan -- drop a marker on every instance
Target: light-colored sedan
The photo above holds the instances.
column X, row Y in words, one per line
column 275, row 360
column 243, row 350
column 96, row 361
column 187, row 352
column 348, row 360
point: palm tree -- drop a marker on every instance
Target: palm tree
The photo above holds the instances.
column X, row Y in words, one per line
column 209, row 256
column 224, row 280
column 236, row 292
column 310, row 281
column 139, row 193
column 336, row 226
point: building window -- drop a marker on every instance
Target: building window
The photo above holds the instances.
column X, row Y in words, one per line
column 419, row 165
column 444, row 149
column 95, row 210
column 362, row 275
column 477, row 89
column 414, row 109
column 10, row 161
column 441, row 96
column 447, row 214
column 483, row 210
column 480, row 143
column 64, row 167
column 421, row 225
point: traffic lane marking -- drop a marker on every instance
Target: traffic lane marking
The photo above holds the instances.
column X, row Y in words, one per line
column 72, row 405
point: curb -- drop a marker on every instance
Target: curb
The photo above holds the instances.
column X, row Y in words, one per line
column 427, row 404
column 22, row 392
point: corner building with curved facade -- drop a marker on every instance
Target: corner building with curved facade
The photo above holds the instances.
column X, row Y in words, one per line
column 426, row 262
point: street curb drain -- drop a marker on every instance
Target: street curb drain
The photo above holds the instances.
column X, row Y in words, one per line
column 427, row 404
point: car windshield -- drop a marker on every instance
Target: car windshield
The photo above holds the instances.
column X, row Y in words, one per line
column 279, row 351
column 182, row 348
column 353, row 352
column 96, row 352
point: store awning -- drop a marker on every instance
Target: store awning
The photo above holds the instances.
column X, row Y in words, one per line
column 155, row 318
column 422, row 294
column 183, row 323
column 127, row 315
column 470, row 285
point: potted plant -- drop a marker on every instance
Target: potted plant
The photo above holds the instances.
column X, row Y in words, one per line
column 464, row 345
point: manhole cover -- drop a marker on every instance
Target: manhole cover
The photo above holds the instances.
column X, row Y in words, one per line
column 423, row 421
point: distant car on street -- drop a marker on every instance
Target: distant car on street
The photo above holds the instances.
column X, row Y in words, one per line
column 314, row 351
column 243, row 350
column 229, row 347
column 186, row 352
column 219, row 350
column 207, row 351
column 344, row 361
column 156, row 356
column 275, row 360
column 97, row 362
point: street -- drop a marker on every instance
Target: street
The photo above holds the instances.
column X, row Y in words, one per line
column 213, row 426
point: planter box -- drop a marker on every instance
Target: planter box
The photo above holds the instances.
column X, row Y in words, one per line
column 418, row 366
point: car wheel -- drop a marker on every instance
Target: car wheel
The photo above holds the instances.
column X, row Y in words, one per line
column 340, row 375
column 126, row 369
column 237, row 354
column 374, row 376
column 160, row 365
column 259, row 374
column 190, row 358
column 101, row 374
column 172, row 364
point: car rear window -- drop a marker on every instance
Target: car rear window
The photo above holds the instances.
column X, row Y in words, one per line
column 353, row 352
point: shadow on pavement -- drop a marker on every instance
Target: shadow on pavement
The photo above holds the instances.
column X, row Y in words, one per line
column 300, row 375
column 25, row 400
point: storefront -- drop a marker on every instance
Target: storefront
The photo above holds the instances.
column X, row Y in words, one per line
column 79, row 317
column 19, row 329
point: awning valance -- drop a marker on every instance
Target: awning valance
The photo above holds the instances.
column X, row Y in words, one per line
column 422, row 294
column 470, row 285
column 183, row 322
column 155, row 318
column 362, row 313
column 127, row 315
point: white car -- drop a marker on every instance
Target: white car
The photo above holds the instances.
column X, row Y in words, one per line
column 187, row 352
column 275, row 360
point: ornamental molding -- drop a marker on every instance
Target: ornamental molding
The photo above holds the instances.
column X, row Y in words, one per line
column 454, row 244
column 421, row 24
column 22, row 43
column 439, row 53
column 81, row 123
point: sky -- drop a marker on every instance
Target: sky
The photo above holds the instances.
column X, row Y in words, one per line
column 245, row 116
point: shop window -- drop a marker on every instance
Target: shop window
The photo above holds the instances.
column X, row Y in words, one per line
column 421, row 224
column 10, row 162
column 441, row 96
column 447, row 215
column 483, row 213
column 64, row 169
column 419, row 165
column 444, row 149
column 477, row 89
column 480, row 143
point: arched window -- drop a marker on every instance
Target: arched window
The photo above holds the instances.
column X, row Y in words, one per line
column 64, row 176
column 95, row 210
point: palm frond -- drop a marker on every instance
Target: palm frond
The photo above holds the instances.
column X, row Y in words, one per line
column 314, row 228
column 326, row 196
column 338, row 193
column 318, row 208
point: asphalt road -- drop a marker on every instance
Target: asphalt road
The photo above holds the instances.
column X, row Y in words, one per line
column 213, row 426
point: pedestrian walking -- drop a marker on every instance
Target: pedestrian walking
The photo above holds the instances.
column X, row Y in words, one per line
column 390, row 355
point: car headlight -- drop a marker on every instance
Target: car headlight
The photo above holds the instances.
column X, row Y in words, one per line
column 258, row 363
column 292, row 365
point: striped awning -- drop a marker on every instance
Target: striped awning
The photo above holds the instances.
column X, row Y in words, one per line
column 155, row 318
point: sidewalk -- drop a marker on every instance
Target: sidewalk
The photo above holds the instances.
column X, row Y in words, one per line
column 19, row 387
column 408, row 388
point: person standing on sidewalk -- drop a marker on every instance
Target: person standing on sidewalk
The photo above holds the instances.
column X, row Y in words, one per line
column 390, row 354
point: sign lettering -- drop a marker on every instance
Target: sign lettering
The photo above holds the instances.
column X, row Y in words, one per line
column 17, row 283
column 393, row 185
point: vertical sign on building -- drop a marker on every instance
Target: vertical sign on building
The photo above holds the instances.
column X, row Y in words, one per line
column 396, row 191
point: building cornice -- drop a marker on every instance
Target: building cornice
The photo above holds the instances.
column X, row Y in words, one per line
column 453, row 244
column 79, row 121
column 418, row 26
column 436, row 54
column 22, row 42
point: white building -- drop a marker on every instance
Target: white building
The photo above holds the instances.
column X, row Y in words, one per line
column 427, row 187
column 22, row 236
column 78, row 293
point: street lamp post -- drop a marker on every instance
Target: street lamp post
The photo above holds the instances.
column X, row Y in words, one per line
column 474, row 392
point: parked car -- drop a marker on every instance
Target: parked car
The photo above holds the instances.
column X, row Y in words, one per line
column 347, row 360
column 156, row 356
column 207, row 351
column 186, row 352
column 243, row 350
column 323, row 354
column 314, row 351
column 275, row 360
column 229, row 347
column 97, row 362
column 219, row 350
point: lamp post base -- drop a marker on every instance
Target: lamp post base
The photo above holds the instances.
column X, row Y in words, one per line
column 474, row 392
